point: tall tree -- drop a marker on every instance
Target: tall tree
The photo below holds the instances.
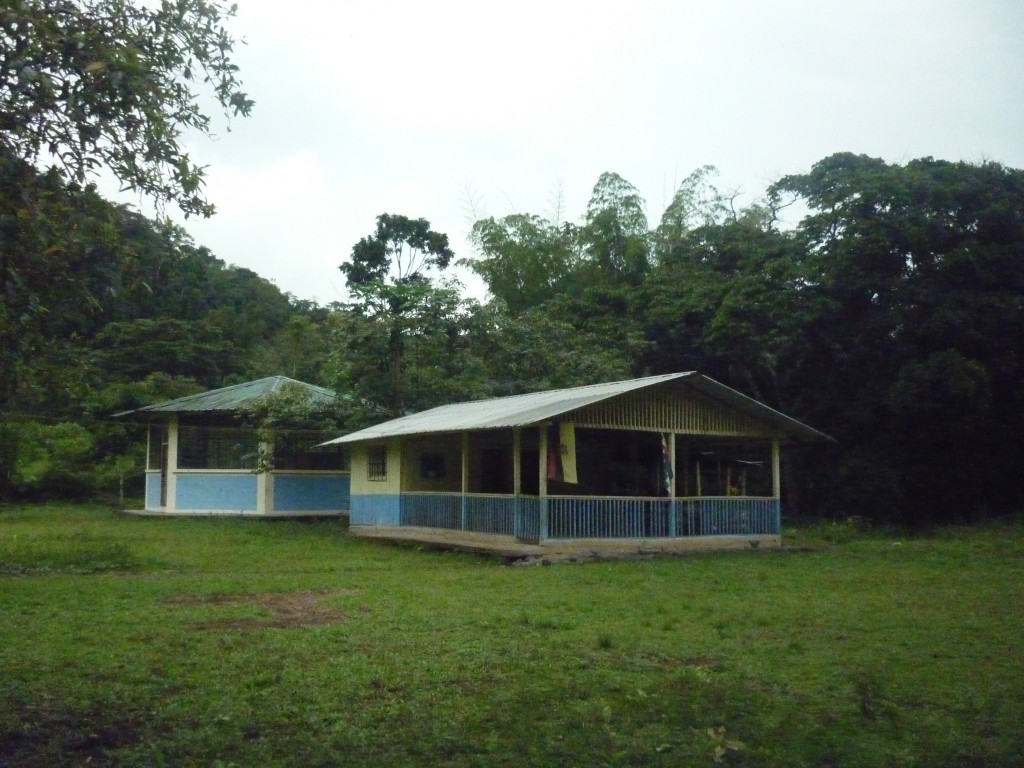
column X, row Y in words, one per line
column 399, row 252
column 916, row 352
column 525, row 259
column 433, row 365
column 113, row 83
column 536, row 349
column 389, row 278
column 696, row 203
column 615, row 233
column 730, row 299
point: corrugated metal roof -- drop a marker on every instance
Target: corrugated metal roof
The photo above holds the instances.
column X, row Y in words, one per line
column 786, row 425
column 227, row 399
column 525, row 410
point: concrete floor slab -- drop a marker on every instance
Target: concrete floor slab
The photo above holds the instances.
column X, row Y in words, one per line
column 510, row 548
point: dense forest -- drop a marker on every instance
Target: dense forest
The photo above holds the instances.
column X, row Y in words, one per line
column 879, row 303
column 889, row 315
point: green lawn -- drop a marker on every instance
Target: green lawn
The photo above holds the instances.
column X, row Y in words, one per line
column 218, row 642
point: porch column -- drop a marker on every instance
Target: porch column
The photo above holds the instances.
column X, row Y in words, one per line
column 172, row 465
column 777, row 484
column 517, row 481
column 465, row 479
column 542, row 469
column 776, row 475
column 265, row 481
column 149, row 453
column 517, row 463
column 672, row 526
column 159, row 466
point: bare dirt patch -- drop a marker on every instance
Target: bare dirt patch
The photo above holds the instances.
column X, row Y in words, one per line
column 285, row 609
column 44, row 733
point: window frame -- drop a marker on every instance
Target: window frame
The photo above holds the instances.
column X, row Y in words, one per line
column 294, row 451
column 377, row 463
column 217, row 447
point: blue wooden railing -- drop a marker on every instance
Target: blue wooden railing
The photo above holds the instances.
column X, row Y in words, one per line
column 728, row 515
column 585, row 517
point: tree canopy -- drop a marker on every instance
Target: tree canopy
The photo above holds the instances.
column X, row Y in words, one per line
column 117, row 84
column 102, row 309
column 394, row 304
column 889, row 317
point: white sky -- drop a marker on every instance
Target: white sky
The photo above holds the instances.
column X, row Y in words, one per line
column 442, row 108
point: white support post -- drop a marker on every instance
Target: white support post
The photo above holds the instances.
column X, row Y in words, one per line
column 517, row 481
column 777, row 484
column 172, row 465
column 672, row 509
column 517, row 463
column 149, row 454
column 542, row 469
column 465, row 478
column 776, row 470
column 264, row 480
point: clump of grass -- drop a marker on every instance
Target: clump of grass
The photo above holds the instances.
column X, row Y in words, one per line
column 605, row 641
column 70, row 557
column 870, row 695
column 540, row 622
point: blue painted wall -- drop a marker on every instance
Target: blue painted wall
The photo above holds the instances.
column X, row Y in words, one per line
column 376, row 509
column 221, row 491
column 297, row 493
column 152, row 490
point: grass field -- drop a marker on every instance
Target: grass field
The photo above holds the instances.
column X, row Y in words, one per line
column 228, row 642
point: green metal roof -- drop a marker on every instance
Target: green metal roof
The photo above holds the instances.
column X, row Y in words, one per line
column 228, row 399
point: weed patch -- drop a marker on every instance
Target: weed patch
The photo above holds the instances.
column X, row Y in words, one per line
column 286, row 610
column 51, row 734
column 71, row 557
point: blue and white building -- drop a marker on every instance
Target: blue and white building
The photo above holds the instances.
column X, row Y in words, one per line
column 671, row 457
column 203, row 458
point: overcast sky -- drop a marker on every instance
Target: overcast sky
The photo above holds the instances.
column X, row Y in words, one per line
column 450, row 109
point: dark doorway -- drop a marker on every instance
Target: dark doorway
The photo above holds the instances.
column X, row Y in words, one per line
column 495, row 471
column 530, row 481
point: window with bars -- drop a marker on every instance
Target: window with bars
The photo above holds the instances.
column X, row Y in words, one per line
column 377, row 463
column 201, row 447
column 298, row 450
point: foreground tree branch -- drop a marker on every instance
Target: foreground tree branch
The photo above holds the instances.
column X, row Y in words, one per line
column 117, row 84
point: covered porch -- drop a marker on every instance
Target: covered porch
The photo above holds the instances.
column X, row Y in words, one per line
column 628, row 485
column 669, row 458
